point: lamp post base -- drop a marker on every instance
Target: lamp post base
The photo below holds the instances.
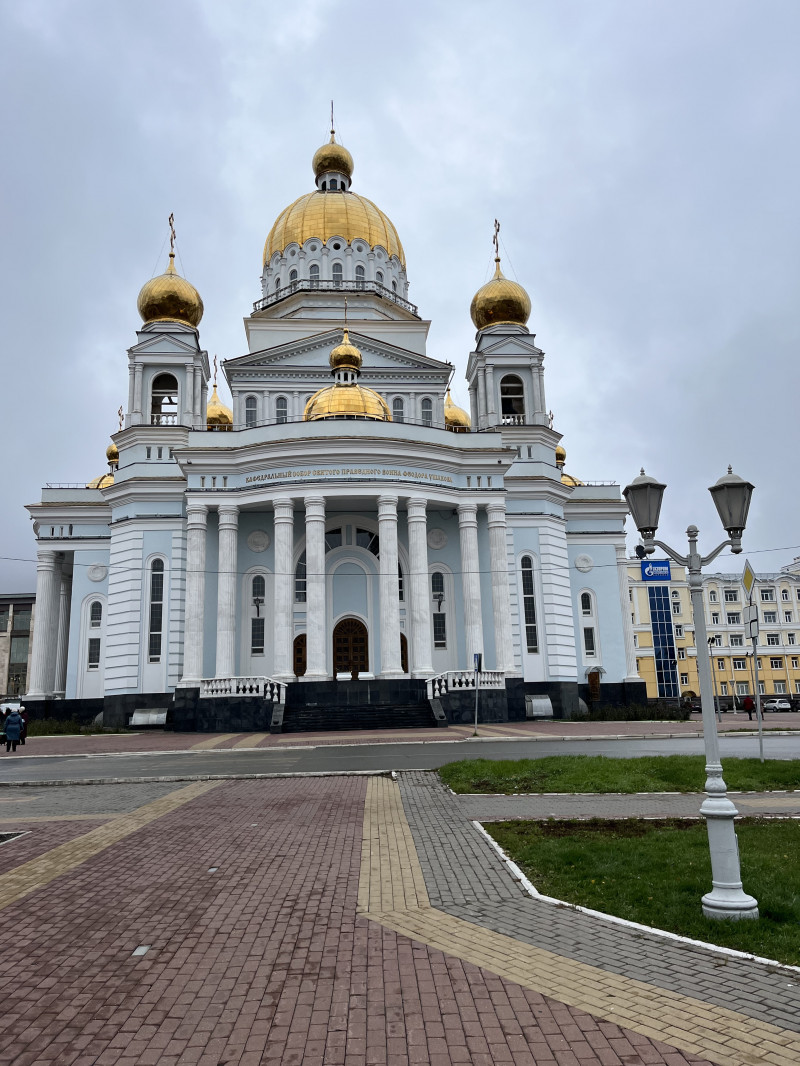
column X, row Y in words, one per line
column 727, row 898
column 730, row 902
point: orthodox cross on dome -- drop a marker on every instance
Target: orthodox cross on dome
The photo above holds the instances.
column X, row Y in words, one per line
column 333, row 127
column 120, row 416
column 496, row 240
column 550, row 419
column 345, row 311
column 215, row 371
column 171, row 221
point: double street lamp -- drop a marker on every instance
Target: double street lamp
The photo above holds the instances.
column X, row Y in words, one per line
column 731, row 495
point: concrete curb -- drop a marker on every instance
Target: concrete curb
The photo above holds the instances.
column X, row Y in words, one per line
column 191, row 777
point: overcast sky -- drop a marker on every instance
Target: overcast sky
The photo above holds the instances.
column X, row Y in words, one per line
column 642, row 158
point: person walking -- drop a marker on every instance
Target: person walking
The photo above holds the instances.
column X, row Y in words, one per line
column 749, row 706
column 14, row 724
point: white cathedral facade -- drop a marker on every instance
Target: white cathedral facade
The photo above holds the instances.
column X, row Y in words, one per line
column 344, row 528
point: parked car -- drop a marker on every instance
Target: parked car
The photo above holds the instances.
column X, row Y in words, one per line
column 776, row 705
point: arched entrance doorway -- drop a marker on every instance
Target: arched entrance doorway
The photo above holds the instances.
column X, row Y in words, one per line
column 299, row 655
column 350, row 648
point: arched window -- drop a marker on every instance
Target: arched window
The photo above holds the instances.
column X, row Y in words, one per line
column 360, row 276
column 427, row 412
column 164, row 403
column 398, row 410
column 529, row 604
column 337, row 273
column 258, row 588
column 394, row 286
column 95, row 615
column 281, row 409
column 292, row 277
column 313, row 275
column 277, row 284
column 250, row 411
column 379, row 277
column 586, row 603
column 300, row 580
column 439, row 616
column 512, row 399
column 437, row 583
column 156, row 610
column 334, row 184
column 402, row 594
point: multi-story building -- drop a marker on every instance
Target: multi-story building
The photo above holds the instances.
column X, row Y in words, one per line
column 16, row 627
column 666, row 654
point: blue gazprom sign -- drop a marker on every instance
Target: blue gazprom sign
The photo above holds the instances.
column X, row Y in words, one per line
column 655, row 570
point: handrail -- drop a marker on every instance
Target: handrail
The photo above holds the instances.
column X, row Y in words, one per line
column 267, row 687
column 462, row 680
column 318, row 285
column 237, row 427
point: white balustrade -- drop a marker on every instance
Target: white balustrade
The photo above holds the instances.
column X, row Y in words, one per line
column 267, row 687
column 461, row 680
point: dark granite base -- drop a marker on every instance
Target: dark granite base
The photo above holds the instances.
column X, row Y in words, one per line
column 374, row 693
column 563, row 696
column 116, row 709
column 222, row 714
column 459, row 706
column 616, row 694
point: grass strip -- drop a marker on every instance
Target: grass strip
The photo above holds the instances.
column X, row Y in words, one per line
column 599, row 773
column 655, row 873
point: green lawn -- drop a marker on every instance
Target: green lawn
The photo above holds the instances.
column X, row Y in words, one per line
column 596, row 773
column 655, row 872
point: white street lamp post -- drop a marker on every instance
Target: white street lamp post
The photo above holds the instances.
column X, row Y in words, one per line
column 731, row 495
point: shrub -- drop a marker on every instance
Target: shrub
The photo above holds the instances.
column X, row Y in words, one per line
column 637, row 712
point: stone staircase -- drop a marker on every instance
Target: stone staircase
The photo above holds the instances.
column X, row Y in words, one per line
column 339, row 705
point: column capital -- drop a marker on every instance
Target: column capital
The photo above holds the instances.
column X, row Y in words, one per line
column 416, row 509
column 387, row 506
column 315, row 507
column 283, row 509
column 496, row 513
column 47, row 560
column 196, row 513
column 467, row 513
column 228, row 514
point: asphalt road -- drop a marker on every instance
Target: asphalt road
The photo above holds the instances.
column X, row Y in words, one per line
column 339, row 758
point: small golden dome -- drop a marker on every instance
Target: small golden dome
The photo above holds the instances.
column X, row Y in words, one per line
column 101, row 482
column 332, row 157
column 345, row 356
column 347, row 401
column 217, row 414
column 112, row 453
column 561, row 455
column 455, row 418
column 568, row 479
column 561, row 458
column 500, row 300
column 170, row 298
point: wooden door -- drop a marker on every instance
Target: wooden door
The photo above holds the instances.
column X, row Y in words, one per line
column 350, row 648
column 594, row 685
column 300, row 655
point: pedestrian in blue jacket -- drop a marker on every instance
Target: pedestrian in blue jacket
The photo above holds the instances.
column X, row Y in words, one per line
column 14, row 723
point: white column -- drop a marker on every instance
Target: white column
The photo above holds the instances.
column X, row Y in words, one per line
column 62, row 648
column 43, row 652
column 197, row 416
column 187, row 418
column 316, row 640
column 418, row 586
column 631, row 673
column 481, row 399
column 138, row 414
column 389, row 588
column 196, row 517
column 473, row 405
column 471, row 579
column 282, row 666
column 226, row 590
column 491, row 400
column 501, row 598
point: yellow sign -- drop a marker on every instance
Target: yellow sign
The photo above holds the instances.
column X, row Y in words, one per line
column 748, row 578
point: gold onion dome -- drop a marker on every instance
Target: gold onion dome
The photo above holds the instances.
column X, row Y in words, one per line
column 455, row 418
column 500, row 300
column 170, row 298
column 332, row 157
column 347, row 401
column 112, row 453
column 217, row 414
column 561, row 455
column 561, row 458
column 101, row 482
column 345, row 355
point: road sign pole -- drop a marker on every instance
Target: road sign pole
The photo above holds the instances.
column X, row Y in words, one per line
column 758, row 695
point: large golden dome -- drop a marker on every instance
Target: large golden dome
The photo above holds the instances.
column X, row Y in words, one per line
column 500, row 300
column 332, row 157
column 347, row 401
column 217, row 414
column 455, row 418
column 323, row 215
column 170, row 298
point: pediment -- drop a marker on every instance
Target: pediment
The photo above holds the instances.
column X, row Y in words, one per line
column 313, row 352
column 514, row 344
column 166, row 344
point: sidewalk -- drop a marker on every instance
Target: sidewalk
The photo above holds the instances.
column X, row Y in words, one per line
column 322, row 921
column 158, row 741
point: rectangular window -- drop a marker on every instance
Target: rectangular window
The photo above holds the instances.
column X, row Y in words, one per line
column 770, row 618
column 19, row 651
column 712, row 596
column 439, row 630
column 723, row 688
column 731, row 595
column 762, row 689
column 93, row 660
column 588, row 641
column 664, row 633
column 776, row 664
column 768, row 595
column 529, row 606
column 21, row 622
column 676, row 607
column 684, row 679
column 739, row 664
column 790, row 638
column 787, row 616
column 635, row 640
column 716, row 640
column 734, row 618
column 773, row 640
column 737, row 640
column 785, row 595
column 794, row 662
column 780, row 688
column 797, row 687
column 742, row 688
column 681, row 653
column 4, row 613
column 720, row 664
column 715, row 618
column 156, row 611
column 678, row 631
column 256, row 636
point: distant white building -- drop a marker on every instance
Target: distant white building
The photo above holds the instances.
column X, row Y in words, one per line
column 345, row 518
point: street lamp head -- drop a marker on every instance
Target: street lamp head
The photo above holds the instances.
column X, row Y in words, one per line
column 643, row 496
column 731, row 496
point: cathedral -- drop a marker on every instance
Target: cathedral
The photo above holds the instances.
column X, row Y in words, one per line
column 344, row 545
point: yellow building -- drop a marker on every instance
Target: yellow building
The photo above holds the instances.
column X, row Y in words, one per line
column 663, row 628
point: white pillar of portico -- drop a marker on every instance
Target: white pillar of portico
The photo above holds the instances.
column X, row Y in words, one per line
column 501, row 597
column 391, row 665
column 45, row 628
column 226, row 590
column 631, row 673
column 491, row 403
column 470, row 579
column 62, row 647
column 421, row 650
column 196, row 519
column 316, row 644
column 282, row 666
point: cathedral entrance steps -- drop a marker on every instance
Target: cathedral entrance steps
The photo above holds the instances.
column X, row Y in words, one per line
column 397, row 703
column 387, row 716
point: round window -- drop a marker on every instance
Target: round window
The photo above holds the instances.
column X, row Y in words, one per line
column 336, row 247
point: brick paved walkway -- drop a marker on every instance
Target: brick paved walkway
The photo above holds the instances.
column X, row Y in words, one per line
column 329, row 932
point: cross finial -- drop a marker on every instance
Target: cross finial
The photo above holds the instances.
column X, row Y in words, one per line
column 171, row 233
column 345, row 313
column 333, row 127
column 120, row 416
column 215, row 371
column 496, row 240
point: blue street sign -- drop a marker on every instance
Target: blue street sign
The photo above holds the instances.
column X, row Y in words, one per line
column 656, row 570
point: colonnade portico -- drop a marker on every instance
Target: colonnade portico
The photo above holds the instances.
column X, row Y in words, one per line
column 418, row 602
